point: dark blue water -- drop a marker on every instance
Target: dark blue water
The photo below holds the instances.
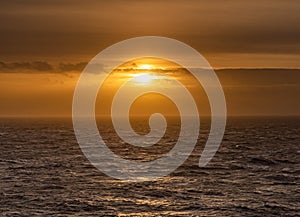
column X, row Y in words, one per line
column 256, row 172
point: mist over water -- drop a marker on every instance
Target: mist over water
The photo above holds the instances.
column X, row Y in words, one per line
column 255, row 172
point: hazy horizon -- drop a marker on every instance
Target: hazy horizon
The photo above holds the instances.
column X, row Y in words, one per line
column 249, row 92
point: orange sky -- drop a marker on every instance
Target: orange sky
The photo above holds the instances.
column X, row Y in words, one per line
column 247, row 92
column 46, row 44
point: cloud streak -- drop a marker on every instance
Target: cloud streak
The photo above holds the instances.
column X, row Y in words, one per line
column 46, row 67
column 36, row 66
column 71, row 67
column 43, row 67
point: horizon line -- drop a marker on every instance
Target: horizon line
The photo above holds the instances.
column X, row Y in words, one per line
column 135, row 116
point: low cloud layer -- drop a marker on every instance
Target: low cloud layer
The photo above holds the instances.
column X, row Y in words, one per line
column 69, row 67
column 46, row 67
column 40, row 67
column 37, row 66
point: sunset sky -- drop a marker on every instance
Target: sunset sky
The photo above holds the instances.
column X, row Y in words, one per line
column 253, row 45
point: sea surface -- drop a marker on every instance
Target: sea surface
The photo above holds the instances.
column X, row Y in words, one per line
column 256, row 172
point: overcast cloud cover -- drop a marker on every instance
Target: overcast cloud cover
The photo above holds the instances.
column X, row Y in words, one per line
column 73, row 28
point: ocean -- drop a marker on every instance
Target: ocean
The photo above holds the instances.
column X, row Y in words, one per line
column 256, row 172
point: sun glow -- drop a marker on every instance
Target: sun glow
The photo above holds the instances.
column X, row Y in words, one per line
column 145, row 66
column 143, row 78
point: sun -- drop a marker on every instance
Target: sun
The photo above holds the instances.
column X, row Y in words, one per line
column 145, row 66
column 143, row 78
